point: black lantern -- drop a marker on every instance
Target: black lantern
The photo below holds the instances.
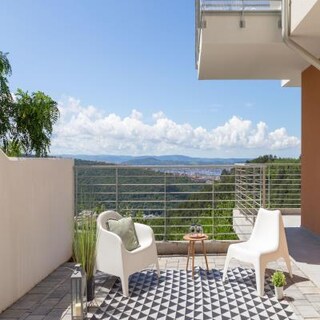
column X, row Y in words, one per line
column 78, row 294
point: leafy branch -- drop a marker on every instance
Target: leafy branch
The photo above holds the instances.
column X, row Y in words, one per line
column 26, row 121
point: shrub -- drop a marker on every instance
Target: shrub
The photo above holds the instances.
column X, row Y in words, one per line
column 278, row 279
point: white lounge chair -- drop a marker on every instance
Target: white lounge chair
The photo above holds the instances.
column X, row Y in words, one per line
column 112, row 256
column 267, row 243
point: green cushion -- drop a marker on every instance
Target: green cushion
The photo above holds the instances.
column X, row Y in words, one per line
column 125, row 229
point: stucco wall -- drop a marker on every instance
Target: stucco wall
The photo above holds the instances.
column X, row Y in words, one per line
column 310, row 162
column 36, row 210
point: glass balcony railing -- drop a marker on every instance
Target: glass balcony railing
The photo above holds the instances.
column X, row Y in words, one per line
column 171, row 198
column 240, row 5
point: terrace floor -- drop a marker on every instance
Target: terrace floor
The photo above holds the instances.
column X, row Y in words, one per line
column 50, row 299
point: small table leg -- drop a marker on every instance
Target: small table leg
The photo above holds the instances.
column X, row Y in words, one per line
column 189, row 249
column 193, row 254
column 192, row 239
column 205, row 254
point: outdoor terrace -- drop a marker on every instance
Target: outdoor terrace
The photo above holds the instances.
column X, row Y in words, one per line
column 50, row 299
column 224, row 199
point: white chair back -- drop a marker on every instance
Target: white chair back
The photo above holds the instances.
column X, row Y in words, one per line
column 267, row 243
column 107, row 215
column 266, row 231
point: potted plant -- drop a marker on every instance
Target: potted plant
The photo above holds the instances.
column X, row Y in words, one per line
column 279, row 281
column 84, row 248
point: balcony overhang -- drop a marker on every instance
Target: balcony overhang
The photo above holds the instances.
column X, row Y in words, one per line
column 248, row 44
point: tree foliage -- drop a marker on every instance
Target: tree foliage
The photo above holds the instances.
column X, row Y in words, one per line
column 5, row 97
column 26, row 122
column 267, row 158
column 35, row 115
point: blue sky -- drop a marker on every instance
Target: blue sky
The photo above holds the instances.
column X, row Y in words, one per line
column 123, row 73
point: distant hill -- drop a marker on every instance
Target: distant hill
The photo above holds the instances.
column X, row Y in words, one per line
column 155, row 160
column 180, row 160
column 102, row 158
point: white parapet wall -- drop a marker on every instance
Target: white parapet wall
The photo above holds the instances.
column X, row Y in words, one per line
column 36, row 210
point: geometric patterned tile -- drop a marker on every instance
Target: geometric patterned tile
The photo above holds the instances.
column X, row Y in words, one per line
column 175, row 295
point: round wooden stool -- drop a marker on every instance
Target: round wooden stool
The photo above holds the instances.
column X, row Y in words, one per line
column 193, row 238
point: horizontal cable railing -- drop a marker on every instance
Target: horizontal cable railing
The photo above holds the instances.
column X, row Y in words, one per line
column 171, row 198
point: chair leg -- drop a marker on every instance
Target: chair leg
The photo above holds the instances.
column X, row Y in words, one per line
column 157, row 267
column 288, row 263
column 226, row 265
column 260, row 272
column 125, row 285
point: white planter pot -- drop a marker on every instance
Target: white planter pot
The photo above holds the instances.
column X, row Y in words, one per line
column 279, row 292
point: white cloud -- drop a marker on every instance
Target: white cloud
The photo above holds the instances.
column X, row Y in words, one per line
column 89, row 130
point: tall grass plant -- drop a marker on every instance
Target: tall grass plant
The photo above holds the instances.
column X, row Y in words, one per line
column 84, row 243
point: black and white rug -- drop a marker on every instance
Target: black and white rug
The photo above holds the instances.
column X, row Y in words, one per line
column 175, row 295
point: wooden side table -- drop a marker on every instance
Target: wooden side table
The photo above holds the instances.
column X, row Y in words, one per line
column 191, row 248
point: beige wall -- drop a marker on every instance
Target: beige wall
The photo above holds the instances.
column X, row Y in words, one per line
column 36, row 210
column 310, row 162
column 299, row 11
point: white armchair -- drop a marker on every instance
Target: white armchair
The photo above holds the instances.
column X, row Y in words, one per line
column 112, row 256
column 267, row 243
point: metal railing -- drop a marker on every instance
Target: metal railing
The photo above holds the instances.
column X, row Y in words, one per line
column 171, row 198
column 250, row 191
column 240, row 5
column 268, row 186
column 197, row 29
column 273, row 186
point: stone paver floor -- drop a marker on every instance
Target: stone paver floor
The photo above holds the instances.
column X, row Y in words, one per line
column 50, row 299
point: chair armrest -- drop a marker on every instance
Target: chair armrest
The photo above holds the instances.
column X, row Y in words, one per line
column 107, row 238
column 109, row 249
column 144, row 233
